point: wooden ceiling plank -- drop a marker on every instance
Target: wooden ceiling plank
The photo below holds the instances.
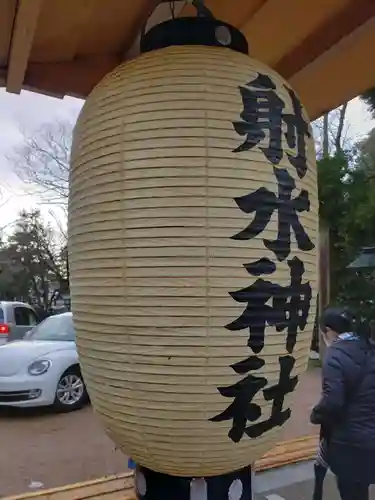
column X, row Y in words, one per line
column 160, row 14
column 58, row 41
column 140, row 21
column 23, row 34
column 326, row 36
column 43, row 92
column 280, row 26
column 235, row 12
column 339, row 75
column 115, row 27
column 87, row 28
column 76, row 78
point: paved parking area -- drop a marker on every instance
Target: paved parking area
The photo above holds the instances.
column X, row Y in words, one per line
column 40, row 449
column 294, row 483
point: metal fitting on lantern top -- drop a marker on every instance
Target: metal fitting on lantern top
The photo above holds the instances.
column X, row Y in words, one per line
column 204, row 31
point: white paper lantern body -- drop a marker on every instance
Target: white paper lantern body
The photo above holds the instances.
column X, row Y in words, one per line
column 157, row 180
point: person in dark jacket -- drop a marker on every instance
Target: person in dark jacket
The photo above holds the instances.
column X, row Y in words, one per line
column 347, row 405
column 342, row 321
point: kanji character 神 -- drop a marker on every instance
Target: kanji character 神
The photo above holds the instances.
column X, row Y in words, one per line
column 289, row 308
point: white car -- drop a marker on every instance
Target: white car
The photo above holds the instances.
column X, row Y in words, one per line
column 43, row 369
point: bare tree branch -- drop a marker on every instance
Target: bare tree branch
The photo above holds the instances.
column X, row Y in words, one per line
column 42, row 160
column 340, row 127
column 325, row 135
column 3, row 201
column 331, row 132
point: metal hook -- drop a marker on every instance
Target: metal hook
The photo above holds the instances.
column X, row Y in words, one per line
column 201, row 9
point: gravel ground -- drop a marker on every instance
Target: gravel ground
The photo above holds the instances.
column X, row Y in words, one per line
column 40, row 449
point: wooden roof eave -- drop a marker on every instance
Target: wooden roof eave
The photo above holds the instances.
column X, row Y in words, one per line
column 326, row 66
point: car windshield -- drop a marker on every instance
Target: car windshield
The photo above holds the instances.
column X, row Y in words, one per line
column 54, row 328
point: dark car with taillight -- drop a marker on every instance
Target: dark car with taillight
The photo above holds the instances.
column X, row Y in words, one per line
column 16, row 319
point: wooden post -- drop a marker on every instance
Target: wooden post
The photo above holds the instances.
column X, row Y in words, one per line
column 324, row 276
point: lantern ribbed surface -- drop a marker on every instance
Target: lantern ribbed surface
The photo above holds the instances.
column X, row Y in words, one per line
column 152, row 215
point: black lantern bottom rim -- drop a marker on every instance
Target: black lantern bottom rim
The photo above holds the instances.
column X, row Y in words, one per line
column 151, row 485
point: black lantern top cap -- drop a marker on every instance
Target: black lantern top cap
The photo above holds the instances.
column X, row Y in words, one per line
column 365, row 260
column 199, row 30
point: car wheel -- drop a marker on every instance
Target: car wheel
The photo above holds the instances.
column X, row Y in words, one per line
column 71, row 392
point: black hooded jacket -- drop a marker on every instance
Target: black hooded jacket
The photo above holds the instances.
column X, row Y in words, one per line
column 347, row 405
column 346, row 410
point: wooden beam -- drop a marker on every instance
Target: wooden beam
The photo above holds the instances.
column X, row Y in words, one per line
column 76, row 78
column 7, row 17
column 280, row 26
column 3, row 77
column 347, row 20
column 324, row 278
column 23, row 34
column 340, row 74
column 324, row 266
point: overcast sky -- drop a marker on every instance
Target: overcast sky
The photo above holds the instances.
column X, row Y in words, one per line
column 28, row 111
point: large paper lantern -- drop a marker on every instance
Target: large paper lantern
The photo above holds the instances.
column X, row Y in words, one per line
column 193, row 234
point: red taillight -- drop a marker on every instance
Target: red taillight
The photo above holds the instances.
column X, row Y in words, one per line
column 4, row 329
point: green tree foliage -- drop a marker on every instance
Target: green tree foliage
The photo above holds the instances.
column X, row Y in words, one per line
column 347, row 205
column 369, row 98
column 32, row 262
